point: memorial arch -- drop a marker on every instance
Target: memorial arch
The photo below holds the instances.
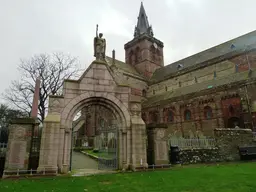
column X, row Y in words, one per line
column 124, row 131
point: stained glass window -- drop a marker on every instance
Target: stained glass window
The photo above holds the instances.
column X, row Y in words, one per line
column 208, row 112
column 187, row 115
column 170, row 116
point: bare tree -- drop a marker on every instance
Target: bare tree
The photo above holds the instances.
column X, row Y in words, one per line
column 52, row 70
column 6, row 116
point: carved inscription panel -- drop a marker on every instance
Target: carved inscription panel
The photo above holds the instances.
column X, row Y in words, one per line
column 17, row 154
column 161, row 150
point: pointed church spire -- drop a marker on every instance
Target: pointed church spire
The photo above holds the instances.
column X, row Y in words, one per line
column 142, row 24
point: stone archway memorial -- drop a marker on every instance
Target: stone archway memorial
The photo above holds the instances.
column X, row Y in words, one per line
column 98, row 85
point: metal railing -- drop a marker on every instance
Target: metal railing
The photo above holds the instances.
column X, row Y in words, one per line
column 195, row 143
column 3, row 148
column 3, row 145
column 154, row 167
column 254, row 136
column 31, row 172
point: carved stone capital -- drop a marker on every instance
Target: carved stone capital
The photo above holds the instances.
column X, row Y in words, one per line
column 135, row 109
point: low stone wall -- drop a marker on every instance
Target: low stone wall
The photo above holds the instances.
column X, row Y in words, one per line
column 228, row 141
column 193, row 156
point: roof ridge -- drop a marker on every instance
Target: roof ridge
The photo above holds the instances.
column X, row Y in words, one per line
column 235, row 46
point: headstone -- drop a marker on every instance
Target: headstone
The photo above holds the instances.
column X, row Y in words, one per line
column 161, row 151
column 18, row 152
column 161, row 146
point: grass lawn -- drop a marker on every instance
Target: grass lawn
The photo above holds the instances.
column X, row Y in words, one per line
column 223, row 178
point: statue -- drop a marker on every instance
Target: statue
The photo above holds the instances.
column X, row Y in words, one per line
column 99, row 46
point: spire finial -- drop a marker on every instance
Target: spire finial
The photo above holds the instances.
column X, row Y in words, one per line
column 142, row 24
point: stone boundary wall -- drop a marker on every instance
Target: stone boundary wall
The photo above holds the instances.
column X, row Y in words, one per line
column 228, row 141
column 193, row 156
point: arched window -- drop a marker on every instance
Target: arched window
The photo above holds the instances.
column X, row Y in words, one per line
column 144, row 93
column 153, row 53
column 154, row 117
column 187, row 115
column 138, row 55
column 208, row 112
column 143, row 116
column 170, row 116
column 130, row 57
column 231, row 109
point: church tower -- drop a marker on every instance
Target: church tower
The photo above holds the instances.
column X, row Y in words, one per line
column 144, row 52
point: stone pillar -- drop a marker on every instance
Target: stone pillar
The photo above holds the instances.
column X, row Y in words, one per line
column 19, row 144
column 159, row 140
column 49, row 144
column 138, row 137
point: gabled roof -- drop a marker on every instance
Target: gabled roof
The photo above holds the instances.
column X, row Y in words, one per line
column 215, row 54
column 123, row 67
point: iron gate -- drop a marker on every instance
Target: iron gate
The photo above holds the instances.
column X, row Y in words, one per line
column 106, row 141
column 3, row 147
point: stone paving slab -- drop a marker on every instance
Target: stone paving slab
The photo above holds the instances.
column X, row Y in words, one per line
column 87, row 172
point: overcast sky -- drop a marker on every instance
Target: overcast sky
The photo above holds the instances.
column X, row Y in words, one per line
column 29, row 27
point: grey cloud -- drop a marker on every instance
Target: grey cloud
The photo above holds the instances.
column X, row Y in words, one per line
column 31, row 27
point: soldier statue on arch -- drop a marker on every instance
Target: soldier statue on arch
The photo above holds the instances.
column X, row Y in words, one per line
column 99, row 46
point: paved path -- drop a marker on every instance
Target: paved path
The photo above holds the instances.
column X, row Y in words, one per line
column 88, row 172
column 81, row 161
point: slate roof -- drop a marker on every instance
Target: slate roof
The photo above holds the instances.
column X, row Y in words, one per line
column 123, row 67
column 215, row 54
column 142, row 23
column 197, row 87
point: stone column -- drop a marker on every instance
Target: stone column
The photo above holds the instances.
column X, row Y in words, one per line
column 19, row 144
column 138, row 137
column 198, row 117
column 124, row 144
column 49, row 144
column 219, row 114
column 128, row 148
column 179, row 118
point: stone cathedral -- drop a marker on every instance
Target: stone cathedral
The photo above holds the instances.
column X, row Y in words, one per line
column 213, row 88
column 191, row 97
column 136, row 106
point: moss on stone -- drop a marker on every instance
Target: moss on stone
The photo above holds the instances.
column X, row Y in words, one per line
column 123, row 85
column 70, row 80
column 56, row 96
column 52, row 118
